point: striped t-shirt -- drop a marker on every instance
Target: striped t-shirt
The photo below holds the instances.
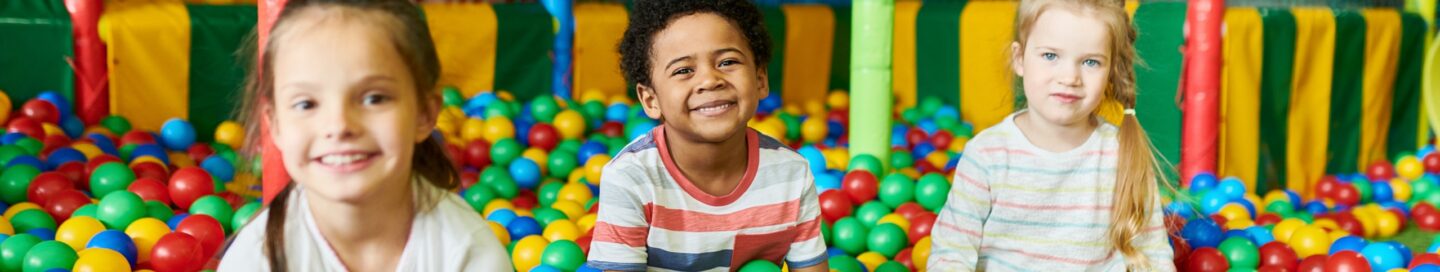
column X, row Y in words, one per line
column 652, row 218
column 1016, row 207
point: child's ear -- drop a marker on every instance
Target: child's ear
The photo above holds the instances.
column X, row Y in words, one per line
column 429, row 114
column 764, row 82
column 1017, row 61
column 648, row 100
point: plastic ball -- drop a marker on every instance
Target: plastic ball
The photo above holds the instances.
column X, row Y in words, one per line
column 896, row 189
column 887, row 239
column 49, row 255
column 177, row 134
column 570, row 124
column 176, row 251
column 189, row 184
column 101, row 259
column 528, row 252
column 860, row 186
column 565, row 255
column 117, row 241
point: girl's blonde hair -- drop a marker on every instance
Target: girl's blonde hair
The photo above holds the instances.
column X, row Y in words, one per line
column 1138, row 170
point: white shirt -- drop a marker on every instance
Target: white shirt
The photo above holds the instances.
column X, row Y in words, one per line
column 447, row 237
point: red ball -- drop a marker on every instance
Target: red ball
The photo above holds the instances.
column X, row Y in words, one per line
column 46, row 185
column 1347, row 261
column 64, row 203
column 920, row 227
column 1380, row 170
column 199, row 151
column 860, row 185
column 909, row 210
column 206, row 230
column 942, row 140
column 1278, row 254
column 1427, row 258
column 544, row 136
column 41, row 110
column 834, row 205
column 1313, row 264
column 916, row 136
column 477, row 154
column 26, row 126
column 612, row 129
column 189, row 184
column 150, row 170
column 1432, row 163
column 177, row 251
column 151, row 189
column 1205, row 260
column 137, row 137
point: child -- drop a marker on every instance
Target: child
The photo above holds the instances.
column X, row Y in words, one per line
column 1053, row 187
column 349, row 87
column 702, row 192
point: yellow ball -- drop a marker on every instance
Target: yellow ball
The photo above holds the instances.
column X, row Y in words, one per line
column 499, row 127
column 231, row 134
column 496, row 204
column 562, row 230
column 593, row 166
column 1234, row 211
column 569, row 208
column 1409, row 168
column 471, row 129
column 101, row 260
column 896, row 219
column 575, row 192
column 145, row 232
column 813, row 130
column 1309, row 241
column 920, row 253
column 527, row 252
column 501, row 233
column 871, row 260
column 838, row 99
column 90, row 150
column 586, row 223
column 570, row 124
column 1401, row 190
column 77, row 231
column 1287, row 228
column 18, row 207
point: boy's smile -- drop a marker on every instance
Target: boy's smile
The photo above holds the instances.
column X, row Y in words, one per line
column 705, row 84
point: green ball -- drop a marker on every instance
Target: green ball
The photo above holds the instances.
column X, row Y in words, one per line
column 901, row 159
column 931, row 191
column 242, row 215
column 545, row 215
column 548, row 193
column 562, row 162
column 86, row 210
column 563, row 254
column 30, row 145
column 119, row 208
column 1240, row 252
column 498, row 109
column 1363, row 188
column 887, row 239
column 9, row 152
column 892, row 266
column 116, row 124
column 505, row 151
column 851, row 235
column 843, row 263
column 159, row 210
column 499, row 179
column 12, row 251
column 49, row 255
column 111, row 177
column 215, row 207
column 896, row 189
column 452, row 96
column 27, row 220
column 479, row 196
column 871, row 212
column 759, row 266
column 15, row 182
column 867, row 162
column 544, row 108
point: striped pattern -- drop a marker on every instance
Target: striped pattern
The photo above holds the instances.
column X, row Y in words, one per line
column 1016, row 207
column 653, row 218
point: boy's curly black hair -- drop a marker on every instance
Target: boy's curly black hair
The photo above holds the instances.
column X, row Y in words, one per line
column 648, row 17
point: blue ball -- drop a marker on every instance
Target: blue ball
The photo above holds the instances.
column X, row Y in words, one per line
column 1232, row 188
column 1260, row 235
column 523, row 226
column 590, row 149
column 63, row 155
column 177, row 134
column 526, row 173
column 814, row 157
column 1201, row 233
column 1202, row 182
column 1381, row 192
column 1348, row 243
column 1383, row 256
column 72, row 126
column 825, row 181
column 175, row 220
column 11, row 138
column 117, row 241
column 26, row 160
column 616, row 112
column 151, row 150
column 219, row 168
column 44, row 234
column 1213, row 201
column 502, row 216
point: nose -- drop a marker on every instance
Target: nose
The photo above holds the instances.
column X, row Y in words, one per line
column 340, row 121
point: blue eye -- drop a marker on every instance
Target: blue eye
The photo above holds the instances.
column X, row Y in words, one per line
column 1092, row 63
column 1049, row 56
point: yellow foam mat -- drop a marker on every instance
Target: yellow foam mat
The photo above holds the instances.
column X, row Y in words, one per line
column 1382, row 50
column 903, row 57
column 465, row 36
column 598, row 29
column 809, row 38
column 986, row 30
column 149, row 60
column 1310, row 98
column 1240, row 95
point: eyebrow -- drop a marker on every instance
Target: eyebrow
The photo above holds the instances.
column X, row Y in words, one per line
column 716, row 52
